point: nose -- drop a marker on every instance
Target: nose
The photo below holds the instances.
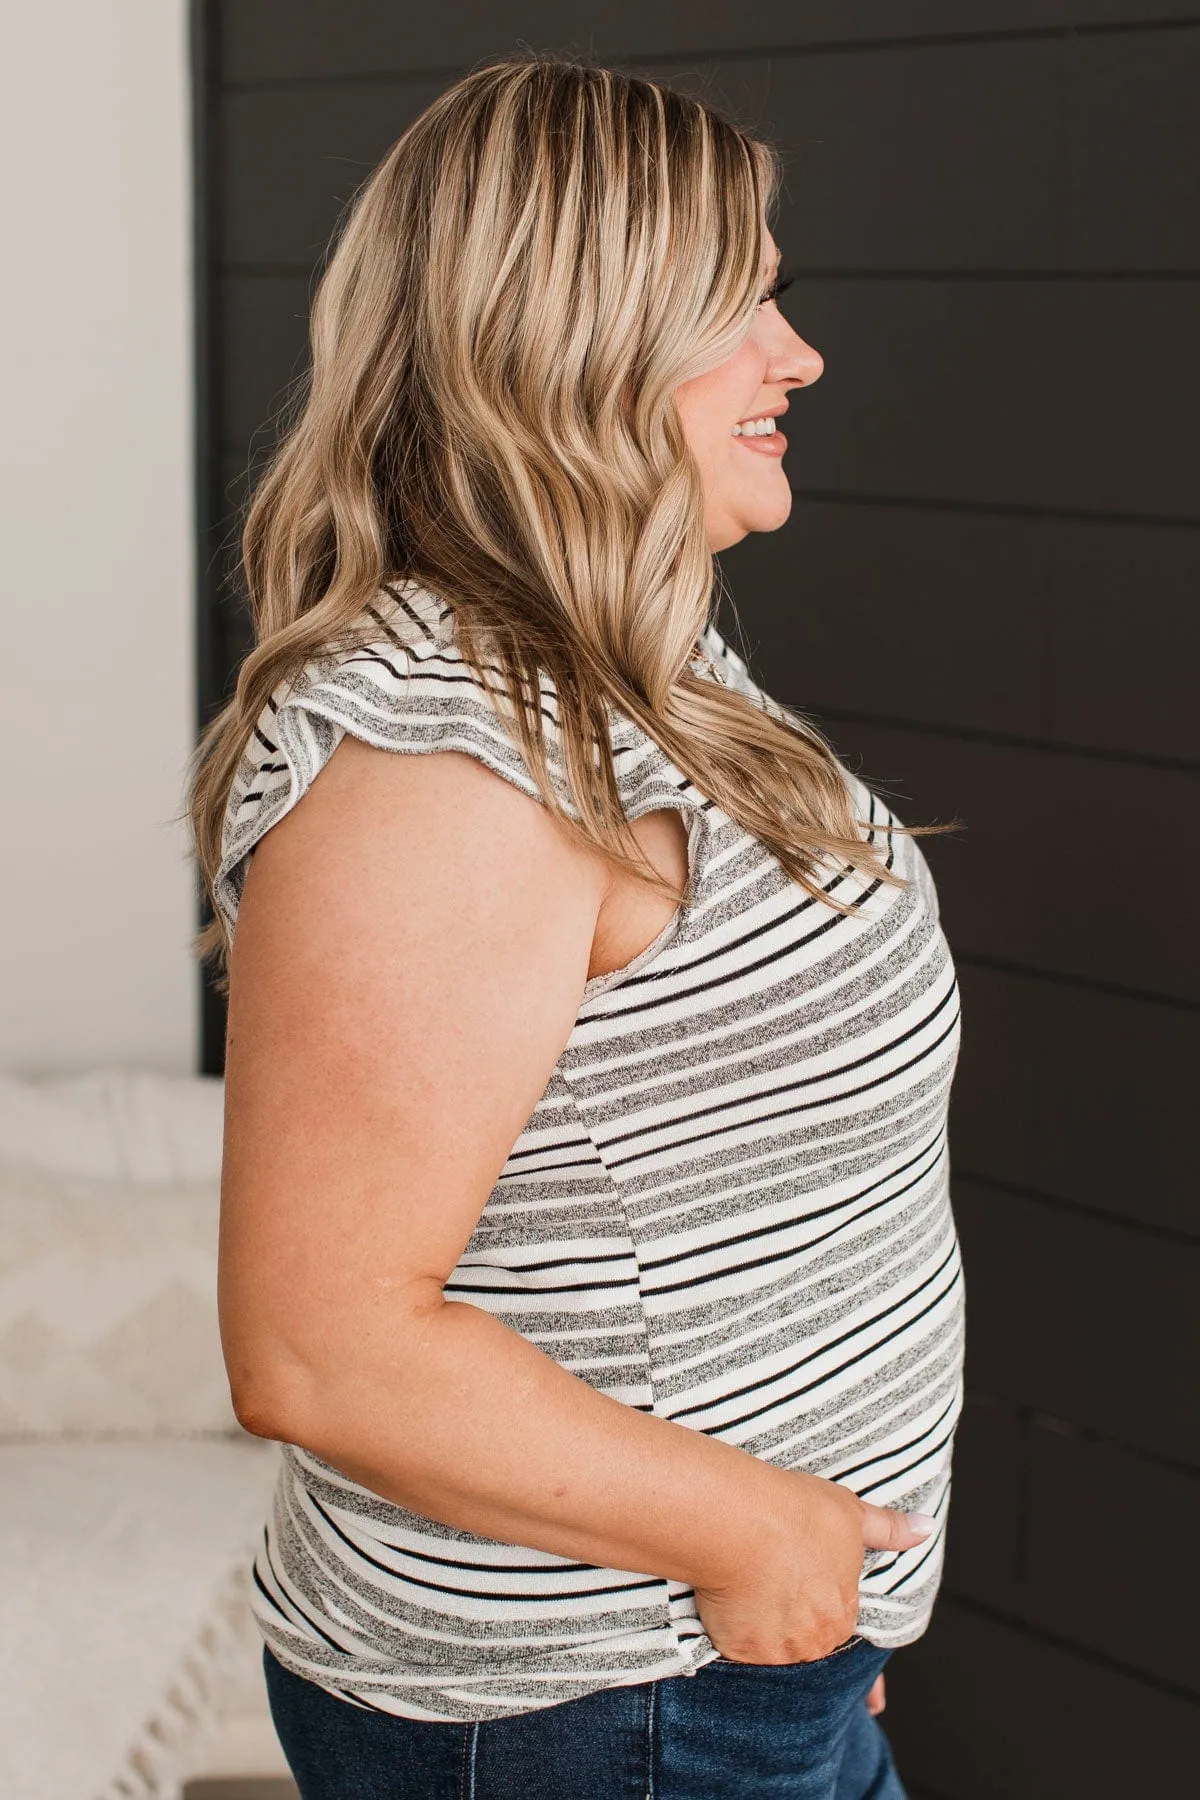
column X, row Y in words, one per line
column 794, row 361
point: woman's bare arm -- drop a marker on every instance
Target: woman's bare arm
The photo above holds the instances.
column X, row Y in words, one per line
column 411, row 951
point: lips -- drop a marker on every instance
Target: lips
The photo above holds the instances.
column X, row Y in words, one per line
column 770, row 444
column 760, row 433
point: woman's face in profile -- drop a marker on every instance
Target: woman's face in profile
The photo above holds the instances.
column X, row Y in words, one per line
column 745, row 484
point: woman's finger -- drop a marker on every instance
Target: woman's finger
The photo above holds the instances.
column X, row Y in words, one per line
column 876, row 1699
column 885, row 1529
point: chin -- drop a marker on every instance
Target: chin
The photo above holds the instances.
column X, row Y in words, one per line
column 758, row 514
column 769, row 518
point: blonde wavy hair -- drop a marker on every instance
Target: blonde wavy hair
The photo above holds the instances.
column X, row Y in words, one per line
column 514, row 296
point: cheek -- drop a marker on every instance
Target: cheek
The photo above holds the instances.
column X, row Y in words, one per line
column 745, row 374
column 711, row 405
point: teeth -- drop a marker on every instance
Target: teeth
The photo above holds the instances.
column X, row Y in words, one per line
column 754, row 428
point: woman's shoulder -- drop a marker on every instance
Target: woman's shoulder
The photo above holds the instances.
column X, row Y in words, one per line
column 406, row 682
column 400, row 681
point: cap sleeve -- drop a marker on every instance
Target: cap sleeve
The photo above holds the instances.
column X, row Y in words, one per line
column 409, row 689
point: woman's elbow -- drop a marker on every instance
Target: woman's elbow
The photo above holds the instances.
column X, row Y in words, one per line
column 257, row 1412
column 268, row 1401
column 296, row 1389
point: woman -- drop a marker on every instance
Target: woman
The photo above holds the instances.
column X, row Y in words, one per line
column 585, row 1229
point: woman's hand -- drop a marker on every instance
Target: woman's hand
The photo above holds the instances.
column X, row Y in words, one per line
column 876, row 1699
column 793, row 1593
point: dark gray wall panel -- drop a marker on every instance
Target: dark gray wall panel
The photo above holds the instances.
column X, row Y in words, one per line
column 993, row 1108
column 1133, row 174
column 229, row 615
column 972, row 174
column 1059, row 629
column 978, row 1710
column 954, row 156
column 1123, row 638
column 1083, row 1096
column 1104, row 1564
column 983, row 1535
column 1058, row 867
column 936, row 617
column 1113, row 1104
column 1081, row 1319
column 908, row 158
column 274, row 39
column 943, row 156
column 1031, row 153
column 263, row 321
column 1053, row 394
column 291, row 158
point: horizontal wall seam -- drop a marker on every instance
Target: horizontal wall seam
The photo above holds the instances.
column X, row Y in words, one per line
column 998, row 1616
column 1001, row 272
column 1006, row 740
column 920, row 503
column 811, row 272
column 1004, row 966
column 1089, row 1434
column 648, row 59
column 1004, row 509
column 1168, row 1234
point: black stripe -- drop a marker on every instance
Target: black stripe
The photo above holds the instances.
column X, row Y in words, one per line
column 764, row 962
column 550, row 1262
column 520, row 1293
column 284, row 1588
column 416, row 618
column 698, row 1282
column 886, row 1455
column 907, row 1469
column 791, row 1087
column 393, row 637
column 823, row 1350
column 625, row 1587
column 366, row 654
column 829, row 1100
column 727, row 949
column 419, row 674
column 541, row 1149
column 870, row 1350
column 904, row 1579
column 820, row 1212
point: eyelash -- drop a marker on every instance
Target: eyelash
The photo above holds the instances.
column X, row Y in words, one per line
column 776, row 289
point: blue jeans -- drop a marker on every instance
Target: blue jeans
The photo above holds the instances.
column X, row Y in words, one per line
column 733, row 1731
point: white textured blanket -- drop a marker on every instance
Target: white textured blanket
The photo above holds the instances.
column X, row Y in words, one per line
column 123, row 1623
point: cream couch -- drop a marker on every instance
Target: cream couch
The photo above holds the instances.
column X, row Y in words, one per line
column 130, row 1499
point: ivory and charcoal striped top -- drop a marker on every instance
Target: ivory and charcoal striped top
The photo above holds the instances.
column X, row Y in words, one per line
column 729, row 1207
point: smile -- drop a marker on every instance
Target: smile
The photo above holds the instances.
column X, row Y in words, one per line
column 762, row 436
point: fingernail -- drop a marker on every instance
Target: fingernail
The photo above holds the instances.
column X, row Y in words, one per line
column 921, row 1525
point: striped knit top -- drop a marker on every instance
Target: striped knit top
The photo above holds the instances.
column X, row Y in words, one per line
column 729, row 1208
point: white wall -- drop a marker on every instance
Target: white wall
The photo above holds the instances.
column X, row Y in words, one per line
column 96, row 647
